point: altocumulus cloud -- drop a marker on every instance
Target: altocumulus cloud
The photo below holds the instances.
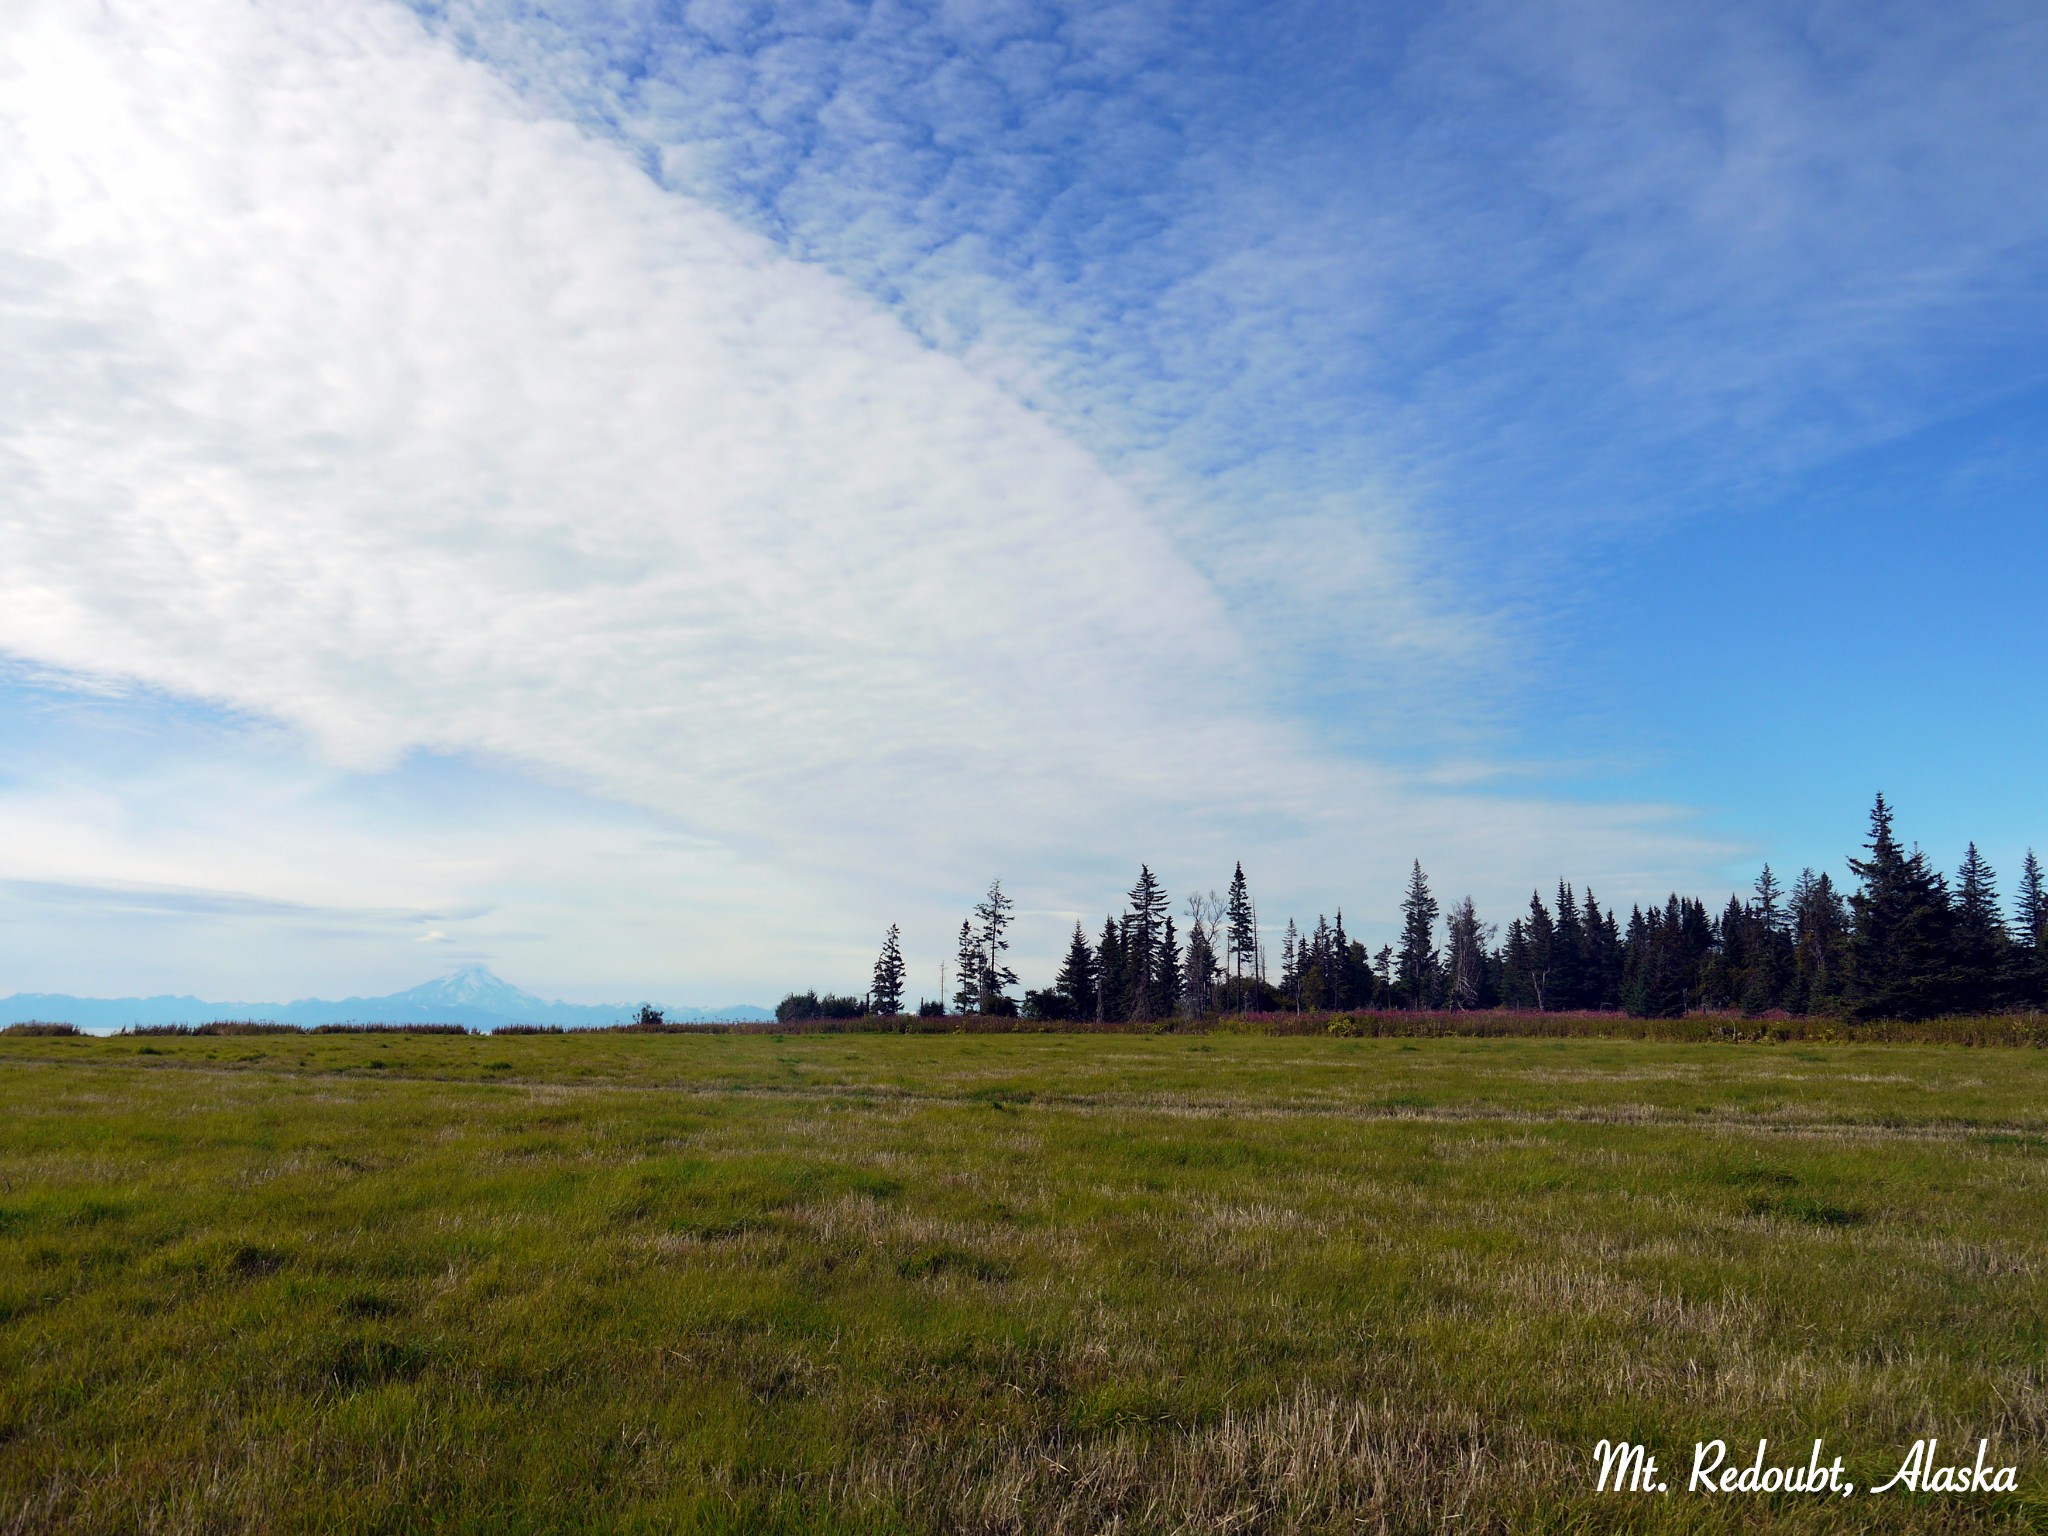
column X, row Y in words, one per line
column 345, row 390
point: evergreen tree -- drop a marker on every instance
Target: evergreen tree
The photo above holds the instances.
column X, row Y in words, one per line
column 1144, row 922
column 1603, row 957
column 1199, row 973
column 2031, row 952
column 1312, row 961
column 1418, row 962
column 1242, row 946
column 1344, row 980
column 1567, row 954
column 1290, row 966
column 2032, row 904
column 1465, row 958
column 1637, row 987
column 1820, row 944
column 1980, row 950
column 992, row 912
column 1902, row 927
column 1656, row 966
column 1696, row 938
column 1364, row 986
column 1076, row 980
column 1539, row 937
column 1112, row 975
column 1164, row 1001
column 1727, row 971
column 1769, row 984
column 1769, row 903
column 1516, row 989
column 885, row 992
column 967, row 985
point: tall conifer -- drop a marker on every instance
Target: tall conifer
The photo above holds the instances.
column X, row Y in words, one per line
column 1465, row 941
column 1979, row 951
column 2031, row 905
column 1166, row 978
column 1418, row 965
column 1820, row 944
column 1076, row 980
column 1899, row 949
column 1112, row 975
column 992, row 914
column 885, row 992
column 1539, row 936
column 1144, row 921
column 1290, row 966
column 1568, row 954
column 1242, row 945
column 967, row 985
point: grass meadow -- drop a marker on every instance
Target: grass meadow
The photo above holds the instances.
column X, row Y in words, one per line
column 1005, row 1283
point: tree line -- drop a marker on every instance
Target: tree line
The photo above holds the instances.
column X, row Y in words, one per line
column 1905, row 942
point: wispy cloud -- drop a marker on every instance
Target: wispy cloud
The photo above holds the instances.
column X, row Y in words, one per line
column 1418, row 298
column 883, row 448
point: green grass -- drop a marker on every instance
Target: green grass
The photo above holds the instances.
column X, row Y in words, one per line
column 1007, row 1283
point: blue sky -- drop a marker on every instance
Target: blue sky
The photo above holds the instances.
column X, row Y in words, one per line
column 577, row 486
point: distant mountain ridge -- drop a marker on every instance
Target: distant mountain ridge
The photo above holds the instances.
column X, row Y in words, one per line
column 472, row 995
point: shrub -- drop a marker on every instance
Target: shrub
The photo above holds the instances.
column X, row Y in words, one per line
column 799, row 1006
column 1047, row 1006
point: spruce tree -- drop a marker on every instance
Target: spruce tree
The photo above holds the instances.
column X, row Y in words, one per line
column 1769, row 902
column 1516, row 990
column 1312, row 962
column 1568, row 954
column 1144, row 921
column 2032, row 904
column 1979, row 953
column 1659, row 986
column 992, row 913
column 1465, row 940
column 1695, row 946
column 1727, row 971
column 1539, row 936
column 2031, row 959
column 1899, row 947
column 1343, row 989
column 1242, row 945
column 1164, row 1002
column 1199, row 972
column 1770, row 979
column 1599, row 986
column 1418, row 966
column 1820, row 944
column 885, row 992
column 1112, row 976
column 1076, row 980
column 967, row 986
column 1635, row 959
column 1290, row 966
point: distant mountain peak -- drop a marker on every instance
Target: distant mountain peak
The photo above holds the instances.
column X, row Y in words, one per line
column 474, row 986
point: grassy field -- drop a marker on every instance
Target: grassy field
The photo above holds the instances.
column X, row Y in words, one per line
column 1005, row 1283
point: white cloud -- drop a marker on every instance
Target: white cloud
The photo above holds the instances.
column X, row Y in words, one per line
column 344, row 391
